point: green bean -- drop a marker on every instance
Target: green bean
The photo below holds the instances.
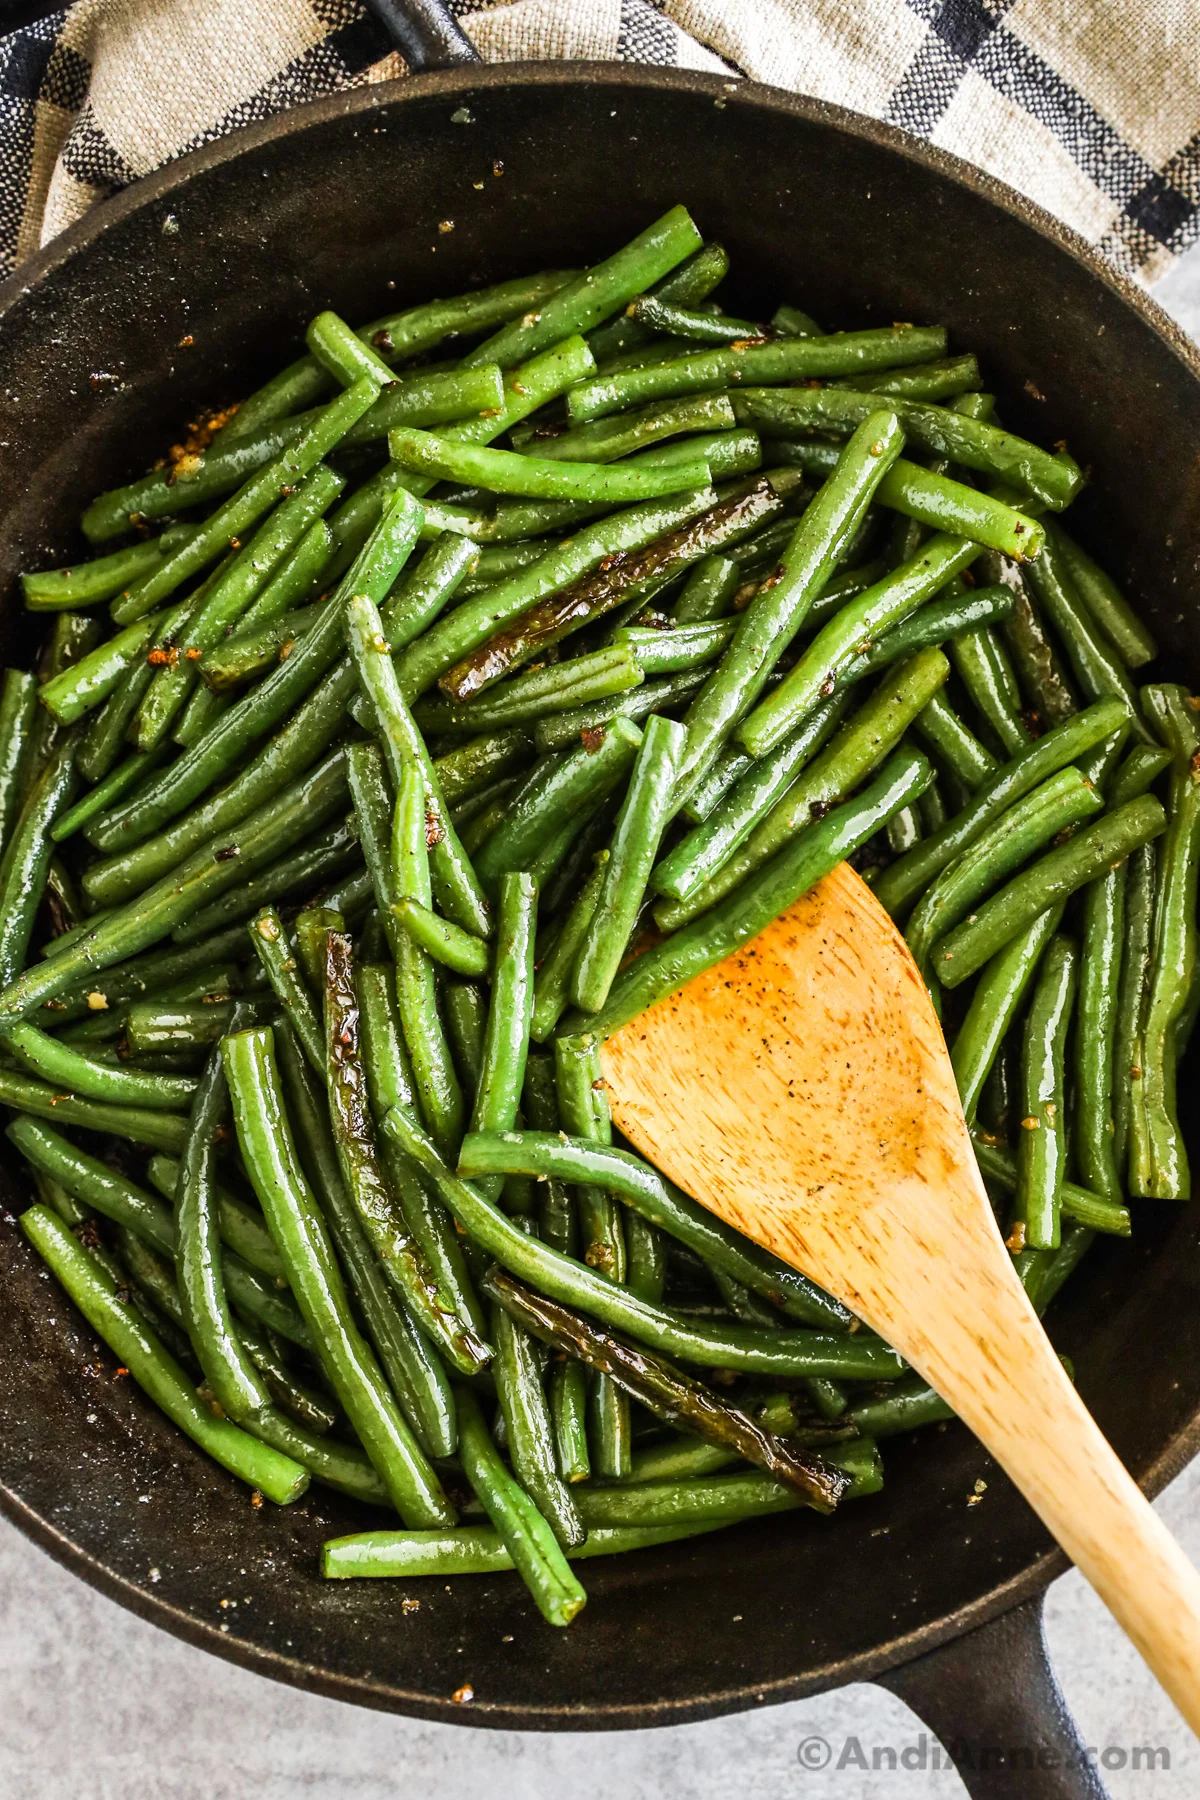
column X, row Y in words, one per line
column 943, row 380
column 785, row 360
column 1080, row 1204
column 554, row 797
column 160, row 973
column 296, row 1225
column 201, row 878
column 460, row 894
column 26, row 862
column 71, row 1072
column 315, row 1411
column 657, row 314
column 432, row 1309
column 18, row 706
column 93, row 1184
column 568, row 1412
column 397, row 337
column 529, row 1429
column 438, row 1090
column 475, row 623
column 296, row 584
column 527, row 1539
column 1041, row 1160
column 608, row 439
column 538, row 478
column 595, row 295
column 861, row 745
column 1110, row 612
column 88, row 582
column 909, row 1404
column 556, row 688
column 471, row 767
column 413, row 1369
column 709, row 591
column 1158, row 1163
column 995, row 1004
column 1054, row 877
column 1140, row 769
column 477, row 1549
column 574, row 1284
column 326, row 854
column 281, row 968
column 935, row 500
column 447, row 944
column 506, row 1039
column 666, row 652
column 931, row 624
column 558, row 730
column 957, row 747
column 157, row 1026
column 227, row 597
column 690, row 283
column 640, row 825
column 621, row 579
column 582, row 1109
column 668, row 1392
column 125, row 776
column 253, row 717
column 1096, row 665
column 554, row 967
column 1054, row 479
column 898, row 886
column 227, row 1368
column 243, row 509
column 881, row 607
column 777, row 612
column 1092, row 1127
column 1046, row 684
column 1063, row 800
column 153, row 1367
column 1141, row 890
column 646, row 1249
column 550, row 1155
column 984, row 671
column 191, row 480
column 241, row 1226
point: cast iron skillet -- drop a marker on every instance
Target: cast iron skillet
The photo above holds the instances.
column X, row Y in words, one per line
column 184, row 292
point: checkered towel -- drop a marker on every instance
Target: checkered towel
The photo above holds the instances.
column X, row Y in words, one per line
column 1091, row 107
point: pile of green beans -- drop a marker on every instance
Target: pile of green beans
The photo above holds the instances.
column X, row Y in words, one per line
column 429, row 724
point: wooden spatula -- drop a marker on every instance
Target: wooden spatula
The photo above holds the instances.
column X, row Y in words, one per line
column 802, row 1091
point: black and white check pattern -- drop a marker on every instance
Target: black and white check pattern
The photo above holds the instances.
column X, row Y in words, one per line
column 1092, row 107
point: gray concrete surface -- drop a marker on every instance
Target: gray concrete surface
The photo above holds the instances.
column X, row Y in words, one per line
column 98, row 1705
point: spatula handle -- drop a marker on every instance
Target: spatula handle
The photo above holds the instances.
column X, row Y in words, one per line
column 994, row 1364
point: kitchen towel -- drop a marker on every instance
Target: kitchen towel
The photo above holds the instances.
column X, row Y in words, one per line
column 1090, row 107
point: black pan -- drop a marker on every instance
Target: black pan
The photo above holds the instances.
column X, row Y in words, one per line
column 184, row 292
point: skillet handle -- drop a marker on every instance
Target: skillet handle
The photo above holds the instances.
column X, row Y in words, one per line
column 992, row 1699
column 425, row 34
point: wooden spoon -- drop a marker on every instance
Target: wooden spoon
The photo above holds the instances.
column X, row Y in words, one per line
column 802, row 1090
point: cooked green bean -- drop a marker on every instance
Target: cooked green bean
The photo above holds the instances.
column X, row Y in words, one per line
column 574, row 1284
column 643, row 818
column 100, row 578
column 316, row 1281
column 506, row 1038
column 956, row 746
column 1104, row 601
column 876, row 611
column 555, row 688
column 987, row 676
column 1054, row 479
column 669, row 1393
column 18, row 706
column 326, row 854
column 538, row 478
column 553, row 798
column 1092, row 1129
column 568, row 1412
column 26, row 863
column 1054, row 877
column 554, row 967
column 709, row 591
column 1042, row 1155
column 71, row 1072
column 609, row 439
column 1158, row 1162
column 594, row 296
column 528, row 1427
column 153, row 1367
column 785, row 360
column 900, row 885
column 522, row 1530
column 551, row 1155
column 994, row 1006
column 861, row 745
column 412, row 1366
column 439, row 1093
column 777, row 611
column 1141, row 890
column 1095, row 664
